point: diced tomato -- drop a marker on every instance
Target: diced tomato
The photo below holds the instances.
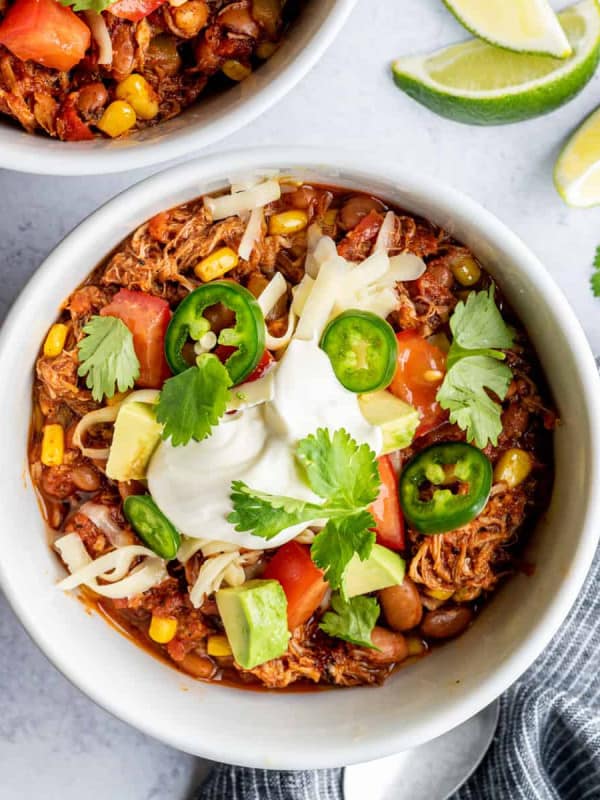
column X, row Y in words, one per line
column 223, row 352
column 419, row 374
column 134, row 10
column 389, row 522
column 45, row 32
column 70, row 126
column 147, row 318
column 302, row 581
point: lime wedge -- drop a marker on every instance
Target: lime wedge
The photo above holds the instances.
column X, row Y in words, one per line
column 577, row 170
column 477, row 83
column 525, row 26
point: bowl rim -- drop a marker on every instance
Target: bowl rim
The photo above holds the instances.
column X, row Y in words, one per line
column 19, row 156
column 221, row 166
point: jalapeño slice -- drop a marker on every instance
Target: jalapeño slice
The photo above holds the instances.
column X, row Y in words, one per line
column 444, row 487
column 363, row 350
column 151, row 525
column 247, row 336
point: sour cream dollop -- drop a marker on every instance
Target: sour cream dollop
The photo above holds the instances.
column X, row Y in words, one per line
column 192, row 484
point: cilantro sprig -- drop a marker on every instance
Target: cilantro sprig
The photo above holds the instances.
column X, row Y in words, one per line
column 107, row 357
column 352, row 620
column 345, row 475
column 88, row 5
column 475, row 368
column 595, row 279
column 192, row 402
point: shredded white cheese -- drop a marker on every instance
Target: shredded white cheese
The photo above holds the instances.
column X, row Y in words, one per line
column 112, row 567
column 230, row 204
column 251, row 234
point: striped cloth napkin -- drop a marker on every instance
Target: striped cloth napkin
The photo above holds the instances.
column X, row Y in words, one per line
column 547, row 746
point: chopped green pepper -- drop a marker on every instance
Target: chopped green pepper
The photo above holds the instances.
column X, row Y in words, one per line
column 464, row 472
column 363, row 350
column 151, row 525
column 247, row 336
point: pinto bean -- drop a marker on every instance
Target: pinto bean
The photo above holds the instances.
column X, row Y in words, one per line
column 442, row 275
column 402, row 606
column 92, row 98
column 391, row 646
column 357, row 207
column 303, row 197
column 236, row 17
column 85, row 478
column 191, row 17
column 123, row 53
column 198, row 666
column 445, row 623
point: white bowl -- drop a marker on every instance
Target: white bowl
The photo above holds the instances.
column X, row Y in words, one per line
column 315, row 729
column 207, row 121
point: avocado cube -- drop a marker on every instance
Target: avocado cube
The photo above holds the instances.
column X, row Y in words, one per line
column 255, row 620
column 381, row 569
column 136, row 435
column 397, row 420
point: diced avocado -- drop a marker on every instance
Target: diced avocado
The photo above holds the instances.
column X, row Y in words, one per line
column 397, row 420
column 255, row 620
column 135, row 438
column 383, row 568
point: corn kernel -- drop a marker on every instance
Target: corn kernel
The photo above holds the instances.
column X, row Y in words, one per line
column 53, row 445
column 513, row 467
column 466, row 270
column 415, row 646
column 288, row 222
column 265, row 50
column 440, row 594
column 216, row 264
column 139, row 94
column 162, row 629
column 235, row 70
column 55, row 340
column 118, row 118
column 218, row 646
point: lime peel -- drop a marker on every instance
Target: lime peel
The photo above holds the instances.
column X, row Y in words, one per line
column 523, row 26
column 477, row 83
column 577, row 169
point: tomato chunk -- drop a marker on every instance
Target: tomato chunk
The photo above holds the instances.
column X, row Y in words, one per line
column 419, row 374
column 45, row 32
column 134, row 10
column 389, row 522
column 302, row 581
column 147, row 318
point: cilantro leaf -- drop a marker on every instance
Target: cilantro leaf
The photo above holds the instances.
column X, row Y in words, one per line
column 267, row 515
column 595, row 279
column 338, row 469
column 88, row 5
column 341, row 471
column 352, row 620
column 463, row 393
column 478, row 324
column 474, row 366
column 193, row 401
column 107, row 355
column 333, row 548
